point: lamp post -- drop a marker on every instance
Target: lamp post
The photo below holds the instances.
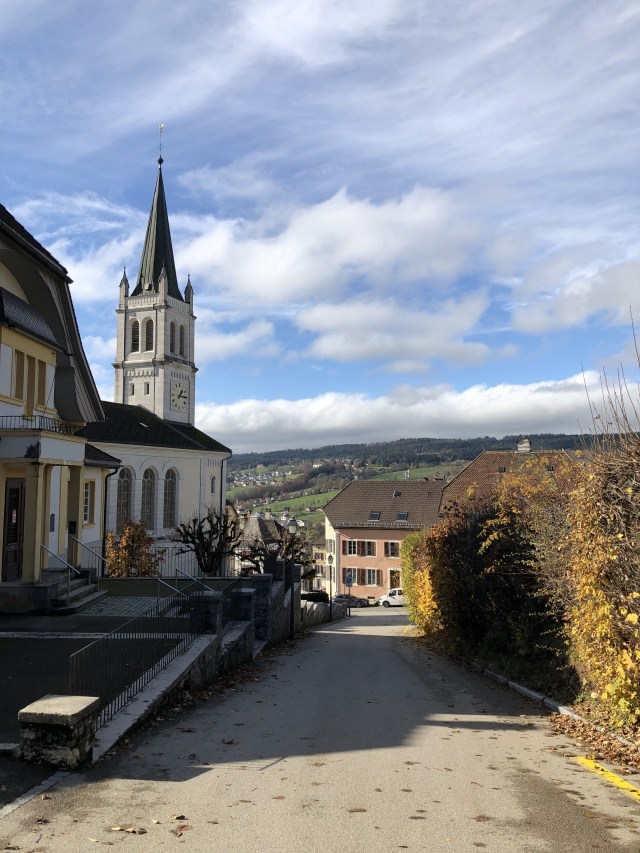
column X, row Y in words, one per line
column 330, row 564
column 292, row 526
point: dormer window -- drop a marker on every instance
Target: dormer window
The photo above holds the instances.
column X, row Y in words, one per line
column 374, row 516
column 402, row 516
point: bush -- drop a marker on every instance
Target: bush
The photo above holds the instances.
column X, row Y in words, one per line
column 130, row 554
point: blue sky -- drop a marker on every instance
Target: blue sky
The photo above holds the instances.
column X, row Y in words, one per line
column 400, row 218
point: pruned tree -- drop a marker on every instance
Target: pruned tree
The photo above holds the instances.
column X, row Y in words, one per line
column 212, row 538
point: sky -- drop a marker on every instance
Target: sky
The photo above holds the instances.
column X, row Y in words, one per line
column 401, row 218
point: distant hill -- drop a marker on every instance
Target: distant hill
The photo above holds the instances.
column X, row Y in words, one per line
column 404, row 451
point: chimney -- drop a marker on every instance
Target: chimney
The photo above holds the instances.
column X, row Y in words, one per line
column 524, row 445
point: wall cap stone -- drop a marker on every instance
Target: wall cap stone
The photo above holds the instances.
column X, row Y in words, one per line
column 58, row 710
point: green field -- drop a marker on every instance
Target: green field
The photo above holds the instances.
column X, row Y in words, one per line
column 298, row 506
column 420, row 473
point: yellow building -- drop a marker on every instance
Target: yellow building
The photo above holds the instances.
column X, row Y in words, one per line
column 51, row 481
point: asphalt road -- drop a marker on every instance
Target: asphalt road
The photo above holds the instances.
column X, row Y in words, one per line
column 356, row 739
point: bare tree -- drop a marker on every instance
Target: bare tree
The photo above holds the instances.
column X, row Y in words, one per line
column 212, row 538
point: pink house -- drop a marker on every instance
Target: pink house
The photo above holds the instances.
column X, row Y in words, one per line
column 365, row 525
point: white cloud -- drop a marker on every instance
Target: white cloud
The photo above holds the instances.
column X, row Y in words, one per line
column 611, row 292
column 423, row 235
column 388, row 330
column 97, row 347
column 333, row 418
column 255, row 340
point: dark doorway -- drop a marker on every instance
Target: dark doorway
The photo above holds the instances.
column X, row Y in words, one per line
column 13, row 530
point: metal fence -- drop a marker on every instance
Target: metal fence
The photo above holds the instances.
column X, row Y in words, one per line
column 120, row 664
column 37, row 422
column 171, row 564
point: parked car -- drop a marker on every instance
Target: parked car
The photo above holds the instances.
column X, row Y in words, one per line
column 351, row 600
column 393, row 598
column 315, row 595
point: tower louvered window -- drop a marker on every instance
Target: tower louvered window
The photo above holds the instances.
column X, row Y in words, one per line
column 135, row 336
column 172, row 337
column 181, row 340
column 148, row 334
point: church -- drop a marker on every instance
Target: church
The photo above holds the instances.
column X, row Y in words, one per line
column 170, row 470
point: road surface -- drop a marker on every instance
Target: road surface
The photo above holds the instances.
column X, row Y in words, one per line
column 355, row 739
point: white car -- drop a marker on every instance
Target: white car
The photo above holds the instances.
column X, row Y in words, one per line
column 393, row 598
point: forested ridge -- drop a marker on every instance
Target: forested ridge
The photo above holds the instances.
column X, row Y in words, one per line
column 404, row 451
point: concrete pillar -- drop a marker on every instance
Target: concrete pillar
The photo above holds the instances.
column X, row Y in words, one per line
column 34, row 500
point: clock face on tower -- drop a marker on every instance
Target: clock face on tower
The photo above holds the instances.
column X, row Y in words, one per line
column 178, row 396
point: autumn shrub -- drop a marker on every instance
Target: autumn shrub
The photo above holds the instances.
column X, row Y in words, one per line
column 416, row 556
column 488, row 577
column 604, row 569
column 131, row 554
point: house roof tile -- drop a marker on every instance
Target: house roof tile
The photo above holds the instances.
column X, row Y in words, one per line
column 481, row 477
column 381, row 504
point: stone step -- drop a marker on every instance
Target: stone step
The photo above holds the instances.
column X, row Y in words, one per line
column 80, row 603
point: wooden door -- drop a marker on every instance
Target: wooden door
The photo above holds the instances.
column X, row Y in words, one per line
column 13, row 530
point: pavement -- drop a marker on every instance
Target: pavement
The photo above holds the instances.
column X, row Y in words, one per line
column 34, row 661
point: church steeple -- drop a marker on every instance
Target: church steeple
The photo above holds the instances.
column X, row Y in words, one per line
column 154, row 364
column 157, row 253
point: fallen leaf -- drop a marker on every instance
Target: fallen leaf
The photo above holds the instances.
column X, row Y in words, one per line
column 136, row 830
column 178, row 817
column 481, row 817
column 356, row 811
column 229, row 740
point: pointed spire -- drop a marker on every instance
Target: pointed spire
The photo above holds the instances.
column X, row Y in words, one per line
column 188, row 291
column 124, row 282
column 157, row 253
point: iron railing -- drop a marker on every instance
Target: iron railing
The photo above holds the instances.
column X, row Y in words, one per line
column 117, row 666
column 171, row 564
column 95, row 560
column 39, row 422
column 66, row 567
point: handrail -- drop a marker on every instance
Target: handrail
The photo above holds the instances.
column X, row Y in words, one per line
column 69, row 568
column 168, row 585
column 90, row 550
column 191, row 578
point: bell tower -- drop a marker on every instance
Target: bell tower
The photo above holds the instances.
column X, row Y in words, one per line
column 154, row 364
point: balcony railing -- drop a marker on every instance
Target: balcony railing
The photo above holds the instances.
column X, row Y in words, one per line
column 38, row 422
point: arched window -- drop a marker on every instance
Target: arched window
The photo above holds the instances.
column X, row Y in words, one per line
column 169, row 514
column 213, row 485
column 148, row 505
column 123, row 499
column 135, row 336
column 172, row 337
column 181, row 340
column 148, row 334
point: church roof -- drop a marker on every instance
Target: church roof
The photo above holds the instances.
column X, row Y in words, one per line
column 126, row 424
column 157, row 253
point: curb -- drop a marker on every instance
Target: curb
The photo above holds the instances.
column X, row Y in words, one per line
column 551, row 705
